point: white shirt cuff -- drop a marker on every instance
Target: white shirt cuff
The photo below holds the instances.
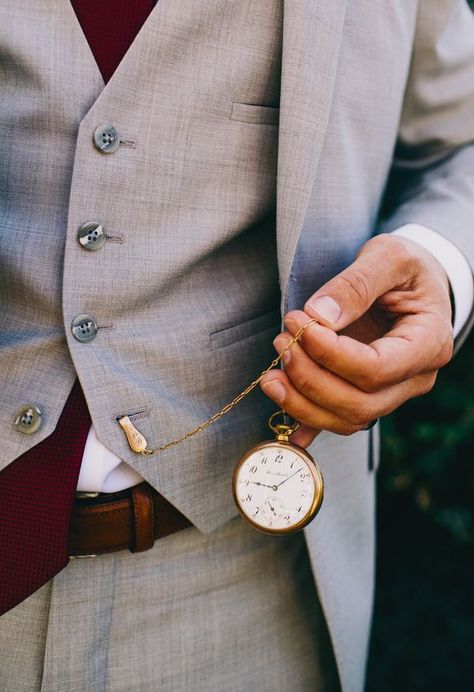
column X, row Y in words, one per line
column 455, row 264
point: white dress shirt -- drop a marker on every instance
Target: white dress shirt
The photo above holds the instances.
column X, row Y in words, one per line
column 103, row 471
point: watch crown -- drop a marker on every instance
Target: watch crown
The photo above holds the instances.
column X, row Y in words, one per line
column 281, row 437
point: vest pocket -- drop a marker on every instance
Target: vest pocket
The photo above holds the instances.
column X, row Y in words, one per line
column 268, row 321
column 255, row 113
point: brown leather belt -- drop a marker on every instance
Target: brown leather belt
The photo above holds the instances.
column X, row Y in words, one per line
column 132, row 518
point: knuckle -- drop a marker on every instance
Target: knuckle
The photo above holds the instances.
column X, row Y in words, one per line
column 317, row 350
column 389, row 244
column 299, row 373
column 401, row 253
column 414, row 265
column 303, row 411
column 297, row 412
column 348, row 430
column 446, row 352
column 360, row 411
column 302, row 380
column 356, row 284
column 428, row 382
column 373, row 380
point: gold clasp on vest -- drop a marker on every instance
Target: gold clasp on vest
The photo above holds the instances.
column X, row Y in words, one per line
column 135, row 439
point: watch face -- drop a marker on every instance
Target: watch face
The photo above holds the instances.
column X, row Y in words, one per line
column 277, row 487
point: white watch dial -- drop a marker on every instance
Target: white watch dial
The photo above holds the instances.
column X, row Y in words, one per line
column 274, row 487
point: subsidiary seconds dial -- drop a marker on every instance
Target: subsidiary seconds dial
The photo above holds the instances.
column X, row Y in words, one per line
column 277, row 487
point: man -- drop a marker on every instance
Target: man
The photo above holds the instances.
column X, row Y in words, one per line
column 154, row 232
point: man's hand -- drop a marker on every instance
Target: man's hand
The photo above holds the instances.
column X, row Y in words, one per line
column 384, row 329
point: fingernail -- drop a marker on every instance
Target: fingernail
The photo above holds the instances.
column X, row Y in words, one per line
column 275, row 390
column 326, row 307
column 280, row 344
column 290, row 323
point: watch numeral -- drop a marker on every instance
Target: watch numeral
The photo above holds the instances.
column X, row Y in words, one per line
column 253, row 469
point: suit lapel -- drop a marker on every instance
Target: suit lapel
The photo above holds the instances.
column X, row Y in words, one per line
column 311, row 39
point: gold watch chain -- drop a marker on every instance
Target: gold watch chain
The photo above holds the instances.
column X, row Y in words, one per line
column 138, row 442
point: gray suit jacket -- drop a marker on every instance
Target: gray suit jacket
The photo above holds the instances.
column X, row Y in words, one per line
column 257, row 142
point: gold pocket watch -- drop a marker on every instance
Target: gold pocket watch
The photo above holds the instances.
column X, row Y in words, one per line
column 277, row 486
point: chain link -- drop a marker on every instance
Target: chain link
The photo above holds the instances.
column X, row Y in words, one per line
column 228, row 407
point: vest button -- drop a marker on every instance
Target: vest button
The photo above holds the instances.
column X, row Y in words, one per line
column 106, row 139
column 91, row 236
column 28, row 419
column 84, row 328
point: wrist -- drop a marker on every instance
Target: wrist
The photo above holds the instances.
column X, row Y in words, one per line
column 416, row 273
column 455, row 263
column 429, row 264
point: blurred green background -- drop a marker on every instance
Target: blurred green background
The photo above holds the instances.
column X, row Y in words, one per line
column 423, row 632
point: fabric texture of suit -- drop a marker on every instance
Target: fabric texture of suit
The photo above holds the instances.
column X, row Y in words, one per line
column 225, row 611
column 258, row 140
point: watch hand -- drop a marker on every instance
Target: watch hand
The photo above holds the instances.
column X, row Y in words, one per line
column 273, row 510
column 287, row 479
column 264, row 484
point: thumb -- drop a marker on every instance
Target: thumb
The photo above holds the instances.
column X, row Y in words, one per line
column 380, row 266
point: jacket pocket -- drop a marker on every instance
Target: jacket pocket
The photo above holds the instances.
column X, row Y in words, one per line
column 269, row 321
column 254, row 113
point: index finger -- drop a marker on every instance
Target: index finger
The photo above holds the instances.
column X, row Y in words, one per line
column 413, row 346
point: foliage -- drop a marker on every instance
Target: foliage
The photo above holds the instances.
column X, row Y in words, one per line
column 428, row 449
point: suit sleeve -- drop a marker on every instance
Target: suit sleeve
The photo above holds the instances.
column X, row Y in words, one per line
column 432, row 177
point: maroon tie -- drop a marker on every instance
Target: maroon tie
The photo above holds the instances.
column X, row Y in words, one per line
column 110, row 27
column 36, row 495
column 37, row 489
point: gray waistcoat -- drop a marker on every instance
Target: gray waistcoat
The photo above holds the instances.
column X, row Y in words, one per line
column 256, row 142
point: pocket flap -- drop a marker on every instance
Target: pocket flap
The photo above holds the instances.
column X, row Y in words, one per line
column 255, row 113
